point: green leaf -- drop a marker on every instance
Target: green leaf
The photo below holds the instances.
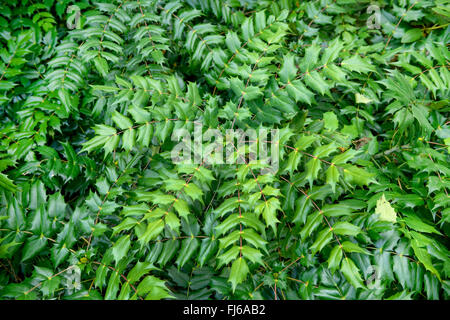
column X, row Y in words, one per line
column 356, row 175
column 129, row 137
column 188, row 248
column 385, row 210
column 335, row 257
column 353, row 247
column 330, row 121
column 358, row 64
column 359, row 98
column 317, row 83
column 312, row 223
column 33, row 247
column 193, row 191
column 299, row 92
column 415, row 223
column 153, row 288
column 252, row 254
column 269, row 211
column 6, row 183
column 121, row 247
column 66, row 100
column 101, row 65
column 238, row 273
column 121, row 121
column 412, row 35
column 229, row 255
column 346, row 229
column 351, row 273
column 332, row 174
column 311, row 56
column 288, row 69
column 139, row 115
column 425, row 259
column 154, row 228
column 421, row 113
column 95, row 143
column 324, row 237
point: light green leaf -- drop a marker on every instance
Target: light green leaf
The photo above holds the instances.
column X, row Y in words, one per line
column 330, row 121
column 288, row 69
column 121, row 247
column 385, row 210
column 412, row 35
column 238, row 273
column 359, row 98
column 346, row 229
column 358, row 64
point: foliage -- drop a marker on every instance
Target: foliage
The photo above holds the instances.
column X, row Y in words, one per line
column 359, row 208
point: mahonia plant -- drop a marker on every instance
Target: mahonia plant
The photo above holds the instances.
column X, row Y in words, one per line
column 93, row 205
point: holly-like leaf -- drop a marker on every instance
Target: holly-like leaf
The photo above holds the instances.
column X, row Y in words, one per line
column 385, row 211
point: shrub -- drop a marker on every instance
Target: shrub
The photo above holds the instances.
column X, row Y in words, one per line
column 95, row 207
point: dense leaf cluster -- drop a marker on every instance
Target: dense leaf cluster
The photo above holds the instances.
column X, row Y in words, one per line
column 93, row 207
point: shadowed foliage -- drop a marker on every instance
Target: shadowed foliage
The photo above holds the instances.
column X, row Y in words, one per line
column 93, row 207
